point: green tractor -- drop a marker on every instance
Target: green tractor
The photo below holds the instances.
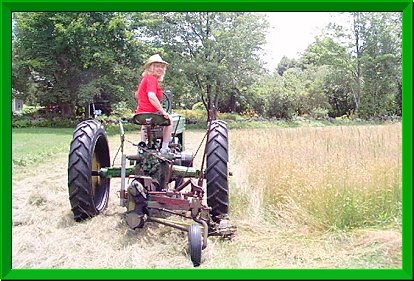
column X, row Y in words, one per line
column 162, row 188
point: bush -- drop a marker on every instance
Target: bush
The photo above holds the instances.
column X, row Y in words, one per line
column 20, row 121
column 29, row 120
column 226, row 116
column 198, row 106
column 193, row 116
column 121, row 109
column 30, row 110
column 279, row 106
column 111, row 124
column 319, row 113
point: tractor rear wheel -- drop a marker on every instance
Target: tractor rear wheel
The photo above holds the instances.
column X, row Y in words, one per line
column 89, row 151
column 216, row 172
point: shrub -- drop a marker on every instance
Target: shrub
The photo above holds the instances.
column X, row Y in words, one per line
column 229, row 116
column 29, row 110
column 279, row 106
column 193, row 116
column 319, row 113
column 121, row 109
column 20, row 121
column 198, row 106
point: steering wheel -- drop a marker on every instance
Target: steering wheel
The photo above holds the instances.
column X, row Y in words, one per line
column 166, row 102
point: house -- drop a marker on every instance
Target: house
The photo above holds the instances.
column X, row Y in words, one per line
column 17, row 103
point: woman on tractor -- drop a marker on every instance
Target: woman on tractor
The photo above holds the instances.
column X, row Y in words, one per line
column 149, row 94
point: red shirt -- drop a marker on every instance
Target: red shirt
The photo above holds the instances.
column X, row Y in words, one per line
column 149, row 83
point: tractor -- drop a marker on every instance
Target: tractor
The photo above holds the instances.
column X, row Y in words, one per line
column 155, row 187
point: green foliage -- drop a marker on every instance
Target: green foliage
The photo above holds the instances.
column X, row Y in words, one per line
column 194, row 116
column 55, row 122
column 280, row 105
column 353, row 69
column 111, row 123
column 268, row 90
column 338, row 88
column 83, row 53
column 364, row 74
column 319, row 113
column 29, row 110
column 324, row 51
column 331, row 67
column 121, row 109
column 229, row 117
column 31, row 117
column 21, row 121
column 380, row 63
column 209, row 56
column 285, row 64
column 296, row 92
column 198, row 106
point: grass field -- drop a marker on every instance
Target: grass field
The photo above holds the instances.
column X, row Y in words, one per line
column 327, row 178
column 33, row 145
column 303, row 197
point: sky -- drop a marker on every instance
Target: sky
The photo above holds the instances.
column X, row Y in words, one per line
column 290, row 33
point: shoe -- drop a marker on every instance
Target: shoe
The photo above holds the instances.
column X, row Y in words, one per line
column 165, row 150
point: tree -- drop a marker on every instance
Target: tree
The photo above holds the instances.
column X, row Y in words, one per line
column 210, row 52
column 381, row 63
column 82, row 53
column 286, row 63
column 358, row 27
column 364, row 63
column 374, row 45
column 278, row 100
column 330, row 62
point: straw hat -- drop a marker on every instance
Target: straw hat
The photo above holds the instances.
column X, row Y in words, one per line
column 154, row 58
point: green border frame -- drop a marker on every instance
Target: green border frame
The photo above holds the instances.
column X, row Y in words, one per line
column 7, row 7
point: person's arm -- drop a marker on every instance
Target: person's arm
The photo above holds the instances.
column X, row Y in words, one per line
column 156, row 103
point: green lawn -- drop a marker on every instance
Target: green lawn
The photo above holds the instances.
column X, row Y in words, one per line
column 30, row 145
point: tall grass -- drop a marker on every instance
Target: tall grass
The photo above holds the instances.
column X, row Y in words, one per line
column 321, row 178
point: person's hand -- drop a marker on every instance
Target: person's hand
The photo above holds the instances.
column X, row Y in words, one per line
column 165, row 114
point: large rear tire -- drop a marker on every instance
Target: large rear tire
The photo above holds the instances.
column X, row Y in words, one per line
column 89, row 151
column 216, row 173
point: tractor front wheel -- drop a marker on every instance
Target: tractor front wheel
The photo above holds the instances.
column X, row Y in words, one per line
column 89, row 151
column 195, row 243
column 216, row 172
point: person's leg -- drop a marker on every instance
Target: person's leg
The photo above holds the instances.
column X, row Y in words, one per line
column 166, row 135
column 143, row 134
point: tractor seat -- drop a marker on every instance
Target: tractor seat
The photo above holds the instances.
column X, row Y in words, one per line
column 150, row 119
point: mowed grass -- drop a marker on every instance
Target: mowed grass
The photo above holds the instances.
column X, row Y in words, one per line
column 32, row 145
column 318, row 178
column 291, row 190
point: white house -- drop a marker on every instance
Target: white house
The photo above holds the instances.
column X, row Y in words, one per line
column 17, row 104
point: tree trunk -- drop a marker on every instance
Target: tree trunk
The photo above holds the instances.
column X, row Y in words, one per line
column 357, row 30
column 212, row 113
column 68, row 110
